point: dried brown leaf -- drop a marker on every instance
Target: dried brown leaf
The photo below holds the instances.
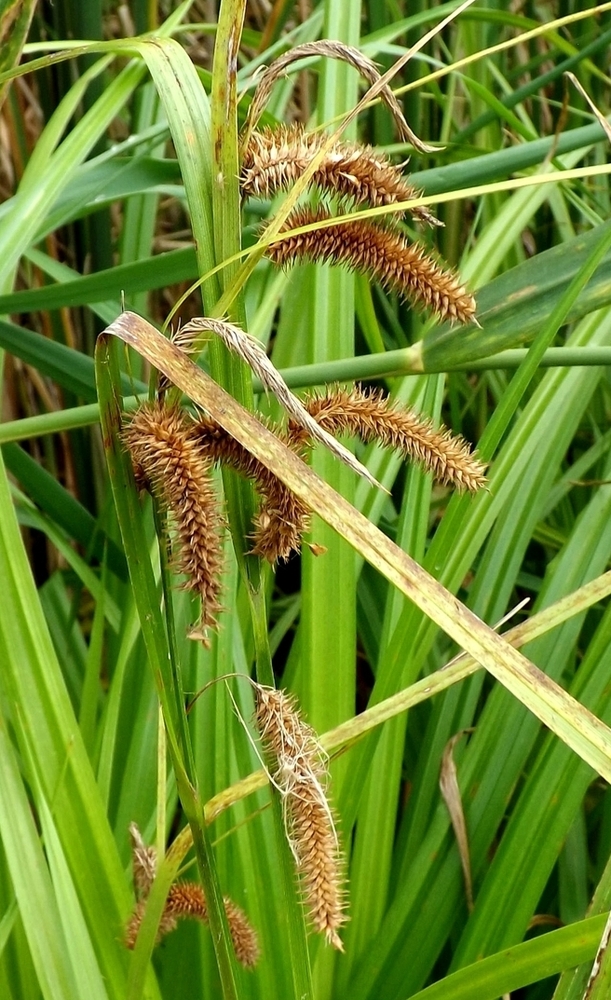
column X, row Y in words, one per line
column 333, row 50
column 450, row 791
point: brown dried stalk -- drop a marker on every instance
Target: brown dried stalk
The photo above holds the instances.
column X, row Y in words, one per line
column 382, row 253
column 300, row 775
column 333, row 50
column 374, row 417
column 276, row 158
column 168, row 460
column 184, row 900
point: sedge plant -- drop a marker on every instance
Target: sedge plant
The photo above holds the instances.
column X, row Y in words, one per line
column 259, row 736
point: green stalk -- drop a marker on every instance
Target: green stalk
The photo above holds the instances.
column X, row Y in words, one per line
column 233, row 374
column 236, row 377
column 368, row 366
column 156, row 641
column 408, row 361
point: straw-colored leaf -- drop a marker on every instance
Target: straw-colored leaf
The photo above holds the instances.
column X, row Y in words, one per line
column 581, row 730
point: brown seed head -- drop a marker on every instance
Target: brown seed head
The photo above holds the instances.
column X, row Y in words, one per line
column 243, row 935
column 282, row 517
column 383, row 253
column 185, row 900
column 299, row 773
column 276, row 158
column 374, row 417
column 166, row 454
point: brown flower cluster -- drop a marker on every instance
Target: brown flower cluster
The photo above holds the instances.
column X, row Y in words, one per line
column 173, row 455
column 298, row 771
column 383, row 253
column 185, row 900
column 350, row 174
column 275, row 159
column 168, row 460
column 372, row 416
column 282, row 518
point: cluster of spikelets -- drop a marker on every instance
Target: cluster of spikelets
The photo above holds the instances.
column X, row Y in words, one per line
column 185, row 900
column 352, row 175
column 173, row 456
column 299, row 773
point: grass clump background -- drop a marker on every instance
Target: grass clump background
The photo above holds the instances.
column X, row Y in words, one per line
column 270, row 482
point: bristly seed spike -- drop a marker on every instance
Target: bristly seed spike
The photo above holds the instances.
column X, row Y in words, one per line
column 383, row 253
column 374, row 417
column 276, row 158
column 168, row 460
column 299, row 771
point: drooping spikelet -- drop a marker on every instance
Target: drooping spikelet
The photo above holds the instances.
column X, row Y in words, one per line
column 243, row 934
column 168, row 460
column 184, row 900
column 282, row 518
column 382, row 253
column 299, row 773
column 276, row 158
column 374, row 417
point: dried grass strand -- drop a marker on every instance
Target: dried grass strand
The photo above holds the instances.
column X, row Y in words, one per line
column 253, row 353
column 276, row 158
column 299, row 771
column 168, row 460
column 333, row 50
column 380, row 252
column 144, row 862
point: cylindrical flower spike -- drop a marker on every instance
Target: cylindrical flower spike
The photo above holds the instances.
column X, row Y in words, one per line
column 383, row 253
column 168, row 459
column 374, row 417
column 299, row 773
column 276, row 158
